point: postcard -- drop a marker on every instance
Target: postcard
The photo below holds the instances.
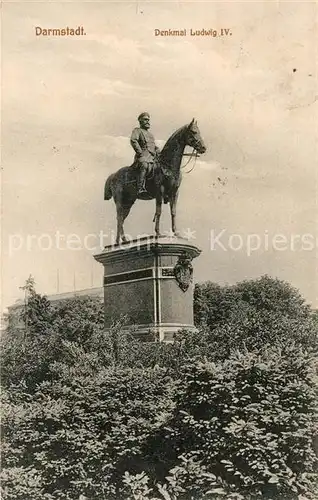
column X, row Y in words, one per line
column 149, row 148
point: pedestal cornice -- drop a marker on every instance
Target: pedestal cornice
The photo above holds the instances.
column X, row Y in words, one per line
column 156, row 245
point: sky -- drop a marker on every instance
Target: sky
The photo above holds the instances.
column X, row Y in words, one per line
column 69, row 105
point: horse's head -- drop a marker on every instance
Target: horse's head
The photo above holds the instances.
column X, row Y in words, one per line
column 193, row 137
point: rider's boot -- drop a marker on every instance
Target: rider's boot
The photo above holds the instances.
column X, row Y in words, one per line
column 142, row 182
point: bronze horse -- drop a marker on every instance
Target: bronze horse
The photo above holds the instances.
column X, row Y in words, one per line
column 162, row 184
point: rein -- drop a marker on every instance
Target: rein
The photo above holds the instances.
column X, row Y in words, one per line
column 191, row 155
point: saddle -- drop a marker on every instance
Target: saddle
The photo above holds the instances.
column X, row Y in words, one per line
column 154, row 168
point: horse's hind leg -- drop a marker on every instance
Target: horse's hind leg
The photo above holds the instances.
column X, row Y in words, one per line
column 122, row 213
column 125, row 212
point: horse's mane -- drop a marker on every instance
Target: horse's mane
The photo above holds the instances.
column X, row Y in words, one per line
column 172, row 139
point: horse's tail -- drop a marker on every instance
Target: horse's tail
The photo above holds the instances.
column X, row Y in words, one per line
column 108, row 188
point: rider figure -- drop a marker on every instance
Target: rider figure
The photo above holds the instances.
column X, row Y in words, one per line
column 145, row 148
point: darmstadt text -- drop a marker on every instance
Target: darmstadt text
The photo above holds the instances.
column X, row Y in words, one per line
column 66, row 31
column 209, row 32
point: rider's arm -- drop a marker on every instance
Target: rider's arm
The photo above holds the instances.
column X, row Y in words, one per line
column 134, row 141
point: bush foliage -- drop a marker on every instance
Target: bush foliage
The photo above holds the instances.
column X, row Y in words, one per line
column 80, row 434
column 226, row 412
column 249, row 420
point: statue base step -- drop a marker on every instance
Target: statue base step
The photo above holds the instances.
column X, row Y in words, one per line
column 149, row 281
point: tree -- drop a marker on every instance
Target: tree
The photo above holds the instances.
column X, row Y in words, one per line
column 253, row 313
column 37, row 310
column 28, row 353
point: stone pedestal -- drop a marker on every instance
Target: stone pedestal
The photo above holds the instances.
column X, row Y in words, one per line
column 149, row 281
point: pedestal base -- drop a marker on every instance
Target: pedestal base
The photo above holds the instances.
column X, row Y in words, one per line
column 149, row 281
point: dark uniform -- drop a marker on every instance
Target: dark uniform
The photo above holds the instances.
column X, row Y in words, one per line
column 145, row 149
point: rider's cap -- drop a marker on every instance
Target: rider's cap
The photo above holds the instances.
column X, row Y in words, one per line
column 143, row 115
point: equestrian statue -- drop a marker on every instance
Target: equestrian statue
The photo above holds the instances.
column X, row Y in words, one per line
column 153, row 174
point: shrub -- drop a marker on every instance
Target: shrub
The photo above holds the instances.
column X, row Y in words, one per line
column 79, row 435
column 250, row 421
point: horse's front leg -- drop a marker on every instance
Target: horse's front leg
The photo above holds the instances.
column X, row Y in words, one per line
column 119, row 227
column 158, row 214
column 173, row 211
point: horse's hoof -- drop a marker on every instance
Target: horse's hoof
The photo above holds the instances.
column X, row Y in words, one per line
column 177, row 234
